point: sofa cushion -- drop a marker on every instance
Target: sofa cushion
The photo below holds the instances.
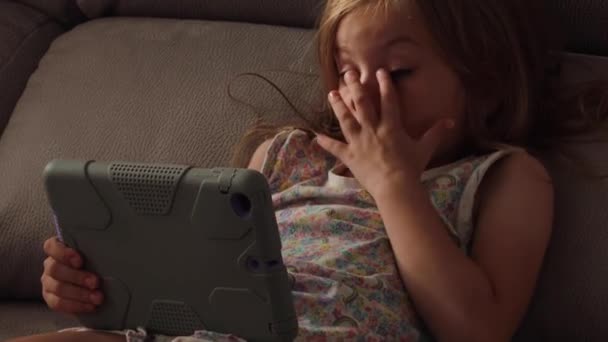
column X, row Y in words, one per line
column 25, row 35
column 302, row 13
column 20, row 318
column 149, row 90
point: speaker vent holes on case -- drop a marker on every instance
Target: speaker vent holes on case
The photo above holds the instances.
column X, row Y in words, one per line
column 241, row 205
column 173, row 318
column 149, row 189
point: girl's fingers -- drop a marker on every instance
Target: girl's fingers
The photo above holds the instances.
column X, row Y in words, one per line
column 61, row 272
column 71, row 292
column 344, row 92
column 60, row 252
column 389, row 102
column 335, row 147
column 363, row 108
column 348, row 123
column 66, row 305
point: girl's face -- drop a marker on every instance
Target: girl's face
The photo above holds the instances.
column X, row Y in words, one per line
column 399, row 42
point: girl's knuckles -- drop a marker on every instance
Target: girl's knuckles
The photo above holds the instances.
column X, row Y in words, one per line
column 359, row 99
column 52, row 267
column 47, row 263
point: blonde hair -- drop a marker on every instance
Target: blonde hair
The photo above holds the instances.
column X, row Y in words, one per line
column 501, row 52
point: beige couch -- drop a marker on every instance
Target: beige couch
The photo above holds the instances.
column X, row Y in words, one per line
column 136, row 80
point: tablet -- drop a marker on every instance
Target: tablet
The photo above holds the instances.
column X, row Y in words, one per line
column 178, row 249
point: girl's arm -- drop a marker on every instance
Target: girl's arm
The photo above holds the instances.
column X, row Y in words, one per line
column 482, row 297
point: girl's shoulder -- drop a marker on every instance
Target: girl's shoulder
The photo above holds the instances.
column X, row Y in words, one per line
column 517, row 174
column 507, row 160
column 460, row 190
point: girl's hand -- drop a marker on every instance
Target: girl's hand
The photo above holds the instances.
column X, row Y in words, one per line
column 65, row 288
column 378, row 151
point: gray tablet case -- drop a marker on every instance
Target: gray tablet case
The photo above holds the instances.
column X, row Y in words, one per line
column 178, row 249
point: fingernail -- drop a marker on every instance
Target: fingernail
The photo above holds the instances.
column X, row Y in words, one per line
column 91, row 282
column 334, row 95
column 380, row 73
column 96, row 298
column 350, row 76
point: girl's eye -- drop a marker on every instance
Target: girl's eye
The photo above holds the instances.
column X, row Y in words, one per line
column 396, row 74
column 401, row 73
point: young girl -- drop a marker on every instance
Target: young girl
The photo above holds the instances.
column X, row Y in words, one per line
column 412, row 210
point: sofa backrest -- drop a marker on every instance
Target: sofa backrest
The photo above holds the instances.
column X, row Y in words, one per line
column 584, row 25
column 584, row 21
column 301, row 13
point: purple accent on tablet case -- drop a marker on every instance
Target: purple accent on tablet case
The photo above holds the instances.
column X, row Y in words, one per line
column 57, row 230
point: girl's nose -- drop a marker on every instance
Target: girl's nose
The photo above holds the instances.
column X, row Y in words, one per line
column 372, row 89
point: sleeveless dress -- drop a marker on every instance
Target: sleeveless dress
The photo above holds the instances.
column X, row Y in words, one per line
column 344, row 277
column 342, row 271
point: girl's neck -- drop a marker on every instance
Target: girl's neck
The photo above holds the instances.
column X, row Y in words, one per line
column 452, row 155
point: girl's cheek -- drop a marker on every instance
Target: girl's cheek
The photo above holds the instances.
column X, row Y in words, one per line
column 414, row 128
column 417, row 123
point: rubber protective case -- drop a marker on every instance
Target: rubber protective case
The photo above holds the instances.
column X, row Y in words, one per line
column 178, row 249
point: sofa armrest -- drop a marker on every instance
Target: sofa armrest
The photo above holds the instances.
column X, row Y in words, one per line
column 65, row 12
column 25, row 36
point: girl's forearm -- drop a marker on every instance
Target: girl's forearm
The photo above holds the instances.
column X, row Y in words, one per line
column 451, row 292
